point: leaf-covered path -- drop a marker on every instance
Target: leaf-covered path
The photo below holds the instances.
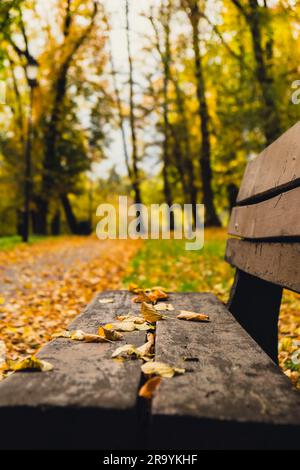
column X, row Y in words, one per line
column 45, row 285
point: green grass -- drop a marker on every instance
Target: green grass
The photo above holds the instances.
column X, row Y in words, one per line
column 8, row 243
column 167, row 263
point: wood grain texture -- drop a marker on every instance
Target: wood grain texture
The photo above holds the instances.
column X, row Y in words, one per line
column 276, row 169
column 278, row 263
column 233, row 397
column 87, row 401
column 277, row 217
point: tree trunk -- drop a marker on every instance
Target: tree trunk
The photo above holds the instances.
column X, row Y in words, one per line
column 55, row 224
column 270, row 114
column 211, row 218
column 188, row 162
column 166, row 145
column 51, row 164
column 70, row 216
column 132, row 119
column 263, row 58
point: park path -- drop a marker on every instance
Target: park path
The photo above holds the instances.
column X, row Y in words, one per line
column 45, row 285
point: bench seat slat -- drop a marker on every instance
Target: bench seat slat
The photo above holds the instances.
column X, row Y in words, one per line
column 275, row 170
column 278, row 217
column 233, row 397
column 278, row 263
column 87, row 401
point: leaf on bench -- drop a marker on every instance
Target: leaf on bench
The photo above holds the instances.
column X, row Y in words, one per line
column 147, row 348
column 150, row 314
column 129, row 318
column 148, row 389
column 126, row 351
column 161, row 369
column 2, row 353
column 162, row 307
column 30, row 363
column 192, row 316
column 111, row 335
column 128, row 326
column 156, row 295
column 106, row 301
column 79, row 335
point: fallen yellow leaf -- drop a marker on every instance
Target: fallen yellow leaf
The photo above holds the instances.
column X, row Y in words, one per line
column 150, row 314
column 159, row 288
column 128, row 326
column 162, row 307
column 140, row 298
column 128, row 350
column 161, row 369
column 125, row 326
column 148, row 389
column 106, row 301
column 156, row 295
column 134, row 289
column 111, row 335
column 2, row 300
column 134, row 319
column 30, row 363
column 192, row 316
column 147, row 348
column 2, row 358
column 79, row 335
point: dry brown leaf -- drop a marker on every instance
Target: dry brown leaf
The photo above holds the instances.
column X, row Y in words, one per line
column 128, row 326
column 157, row 295
column 106, row 301
column 61, row 334
column 135, row 319
column 192, row 316
column 2, row 353
column 150, row 314
column 134, row 289
column 124, row 326
column 111, row 335
column 147, row 348
column 79, row 335
column 148, row 389
column 160, row 288
column 163, row 307
column 161, row 369
column 144, row 327
column 30, row 363
column 126, row 351
column 140, row 298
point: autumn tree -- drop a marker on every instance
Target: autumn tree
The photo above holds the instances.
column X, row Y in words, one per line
column 258, row 19
column 194, row 14
column 134, row 170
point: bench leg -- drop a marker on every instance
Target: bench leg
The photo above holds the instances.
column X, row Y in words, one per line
column 256, row 305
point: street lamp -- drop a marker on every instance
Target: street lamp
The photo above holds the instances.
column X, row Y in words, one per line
column 31, row 75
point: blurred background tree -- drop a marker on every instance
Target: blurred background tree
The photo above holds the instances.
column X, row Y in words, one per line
column 162, row 100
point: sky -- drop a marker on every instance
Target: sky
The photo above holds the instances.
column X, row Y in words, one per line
column 139, row 26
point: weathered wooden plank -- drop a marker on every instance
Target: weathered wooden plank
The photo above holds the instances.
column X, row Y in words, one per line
column 87, row 401
column 276, row 169
column 276, row 217
column 233, row 397
column 278, row 263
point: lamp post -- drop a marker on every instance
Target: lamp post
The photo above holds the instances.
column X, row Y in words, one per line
column 31, row 74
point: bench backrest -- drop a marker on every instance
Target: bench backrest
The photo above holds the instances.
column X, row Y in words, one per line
column 267, row 222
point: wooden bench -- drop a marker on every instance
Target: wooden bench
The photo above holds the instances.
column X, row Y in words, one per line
column 233, row 397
